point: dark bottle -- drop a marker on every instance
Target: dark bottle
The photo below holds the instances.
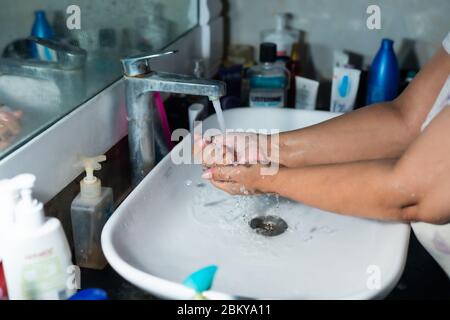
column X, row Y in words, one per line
column 295, row 69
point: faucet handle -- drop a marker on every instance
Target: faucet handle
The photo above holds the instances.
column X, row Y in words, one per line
column 140, row 64
column 68, row 56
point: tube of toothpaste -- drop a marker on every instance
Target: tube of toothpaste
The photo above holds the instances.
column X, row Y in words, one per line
column 344, row 89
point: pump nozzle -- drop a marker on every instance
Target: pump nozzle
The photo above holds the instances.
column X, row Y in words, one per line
column 22, row 181
column 9, row 196
column 90, row 185
column 9, row 193
column 29, row 211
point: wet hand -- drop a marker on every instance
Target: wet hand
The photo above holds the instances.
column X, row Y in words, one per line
column 234, row 148
column 239, row 180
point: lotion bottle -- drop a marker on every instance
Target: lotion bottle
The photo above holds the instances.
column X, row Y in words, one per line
column 90, row 210
column 8, row 199
column 37, row 255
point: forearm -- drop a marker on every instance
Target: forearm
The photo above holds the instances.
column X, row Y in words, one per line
column 365, row 189
column 374, row 132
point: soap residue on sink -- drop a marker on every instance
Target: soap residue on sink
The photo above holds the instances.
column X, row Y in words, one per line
column 213, row 208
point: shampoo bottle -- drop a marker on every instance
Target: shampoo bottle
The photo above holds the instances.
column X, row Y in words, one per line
column 89, row 211
column 383, row 75
column 36, row 255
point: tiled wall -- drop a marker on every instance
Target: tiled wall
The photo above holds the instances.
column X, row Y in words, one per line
column 342, row 24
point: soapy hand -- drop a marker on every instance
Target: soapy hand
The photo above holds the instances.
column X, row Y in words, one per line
column 234, row 148
column 239, row 180
column 9, row 125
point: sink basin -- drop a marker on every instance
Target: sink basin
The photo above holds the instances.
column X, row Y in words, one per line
column 174, row 223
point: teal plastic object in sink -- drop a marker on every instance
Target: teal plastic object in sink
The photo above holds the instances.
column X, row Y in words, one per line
column 202, row 279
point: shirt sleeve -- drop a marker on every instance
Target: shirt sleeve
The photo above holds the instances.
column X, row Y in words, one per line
column 446, row 43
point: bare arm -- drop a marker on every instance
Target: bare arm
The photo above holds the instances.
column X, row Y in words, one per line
column 376, row 132
column 415, row 187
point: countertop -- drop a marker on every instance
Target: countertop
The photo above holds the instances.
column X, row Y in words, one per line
column 421, row 279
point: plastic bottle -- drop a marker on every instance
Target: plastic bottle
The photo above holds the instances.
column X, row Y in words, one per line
column 384, row 75
column 42, row 29
column 37, row 255
column 90, row 210
column 268, row 80
column 8, row 199
column 9, row 195
column 283, row 37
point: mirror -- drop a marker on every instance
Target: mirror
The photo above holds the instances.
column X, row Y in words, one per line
column 43, row 80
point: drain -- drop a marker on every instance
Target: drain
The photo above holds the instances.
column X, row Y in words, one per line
column 269, row 226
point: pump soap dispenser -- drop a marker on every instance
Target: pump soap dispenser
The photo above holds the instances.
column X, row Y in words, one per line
column 90, row 210
column 37, row 255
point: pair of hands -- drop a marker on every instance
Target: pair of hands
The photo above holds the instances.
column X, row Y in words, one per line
column 233, row 162
column 9, row 126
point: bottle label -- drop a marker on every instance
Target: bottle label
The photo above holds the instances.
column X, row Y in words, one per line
column 268, row 82
column 267, row 98
column 43, row 278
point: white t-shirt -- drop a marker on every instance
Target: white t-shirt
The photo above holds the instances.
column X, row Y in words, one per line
column 436, row 239
column 443, row 99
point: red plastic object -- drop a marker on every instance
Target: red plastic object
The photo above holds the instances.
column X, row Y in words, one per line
column 3, row 290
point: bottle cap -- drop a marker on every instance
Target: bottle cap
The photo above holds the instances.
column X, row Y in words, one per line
column 268, row 52
column 29, row 212
column 90, row 294
column 91, row 186
column 386, row 42
column 9, row 195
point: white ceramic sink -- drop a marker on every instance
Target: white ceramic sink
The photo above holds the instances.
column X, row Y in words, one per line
column 173, row 224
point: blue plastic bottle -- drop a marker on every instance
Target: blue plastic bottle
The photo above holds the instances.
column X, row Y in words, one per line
column 383, row 75
column 41, row 29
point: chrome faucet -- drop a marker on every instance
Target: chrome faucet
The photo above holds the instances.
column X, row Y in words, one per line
column 140, row 80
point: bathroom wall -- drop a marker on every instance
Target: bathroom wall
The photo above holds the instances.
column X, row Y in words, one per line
column 342, row 24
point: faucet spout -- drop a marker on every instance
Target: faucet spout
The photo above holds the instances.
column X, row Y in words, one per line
column 141, row 80
column 176, row 83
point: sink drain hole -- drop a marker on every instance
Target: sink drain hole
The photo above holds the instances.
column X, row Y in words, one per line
column 269, row 226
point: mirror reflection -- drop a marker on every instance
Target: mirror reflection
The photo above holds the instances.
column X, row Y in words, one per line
column 54, row 55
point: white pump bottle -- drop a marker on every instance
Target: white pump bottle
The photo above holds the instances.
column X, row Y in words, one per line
column 36, row 253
